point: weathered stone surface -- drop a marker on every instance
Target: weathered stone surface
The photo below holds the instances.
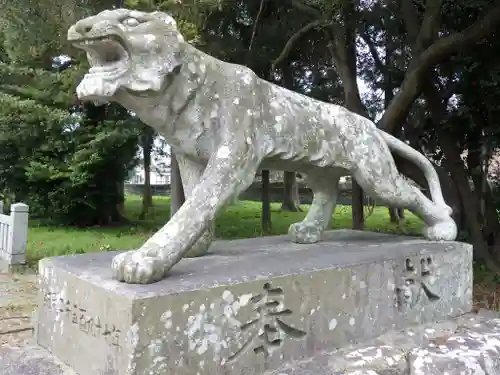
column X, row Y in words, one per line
column 383, row 358
column 30, row 360
column 471, row 351
column 466, row 345
column 17, row 302
column 250, row 306
column 224, row 123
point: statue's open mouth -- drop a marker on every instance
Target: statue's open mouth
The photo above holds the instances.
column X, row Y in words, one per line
column 107, row 55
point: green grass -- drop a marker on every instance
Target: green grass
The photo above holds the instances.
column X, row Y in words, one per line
column 241, row 220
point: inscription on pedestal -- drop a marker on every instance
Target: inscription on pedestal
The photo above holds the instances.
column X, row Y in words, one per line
column 417, row 282
column 267, row 328
column 86, row 322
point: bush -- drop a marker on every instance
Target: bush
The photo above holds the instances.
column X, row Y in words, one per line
column 65, row 168
column 42, row 86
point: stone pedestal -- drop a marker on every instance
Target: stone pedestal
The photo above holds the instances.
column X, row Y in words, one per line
column 250, row 306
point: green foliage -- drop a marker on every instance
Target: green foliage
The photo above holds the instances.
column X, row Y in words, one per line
column 34, row 31
column 190, row 15
column 3, row 52
column 23, row 126
column 64, row 172
column 66, row 168
column 42, row 86
column 15, row 23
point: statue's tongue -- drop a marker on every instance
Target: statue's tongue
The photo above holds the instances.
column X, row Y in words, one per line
column 95, row 87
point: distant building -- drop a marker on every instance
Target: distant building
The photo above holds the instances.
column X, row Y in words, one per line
column 158, row 176
column 160, row 166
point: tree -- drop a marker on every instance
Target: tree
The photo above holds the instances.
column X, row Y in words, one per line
column 291, row 199
column 64, row 173
column 415, row 22
column 266, row 222
column 147, row 137
column 176, row 189
column 436, row 92
column 438, row 84
column 81, row 180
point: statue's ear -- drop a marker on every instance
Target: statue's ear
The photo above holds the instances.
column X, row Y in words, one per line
column 174, row 55
column 173, row 41
column 166, row 18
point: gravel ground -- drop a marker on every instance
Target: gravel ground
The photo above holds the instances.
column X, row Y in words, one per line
column 17, row 303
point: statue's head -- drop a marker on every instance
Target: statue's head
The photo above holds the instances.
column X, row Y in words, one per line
column 127, row 50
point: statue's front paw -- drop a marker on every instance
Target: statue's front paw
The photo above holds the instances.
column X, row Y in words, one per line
column 136, row 267
column 305, row 233
column 445, row 230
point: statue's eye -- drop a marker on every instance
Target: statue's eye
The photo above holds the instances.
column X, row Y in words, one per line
column 130, row 22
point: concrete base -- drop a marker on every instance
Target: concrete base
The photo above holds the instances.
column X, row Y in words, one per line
column 469, row 344
column 250, row 306
column 30, row 360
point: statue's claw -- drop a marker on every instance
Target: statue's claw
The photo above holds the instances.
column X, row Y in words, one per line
column 445, row 230
column 137, row 267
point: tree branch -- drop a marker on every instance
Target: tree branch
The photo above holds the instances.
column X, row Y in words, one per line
column 455, row 165
column 295, row 37
column 440, row 50
column 430, row 25
column 254, row 31
column 422, row 35
column 299, row 5
column 410, row 17
column 373, row 51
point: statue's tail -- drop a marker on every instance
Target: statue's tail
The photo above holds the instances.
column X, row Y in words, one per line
column 423, row 163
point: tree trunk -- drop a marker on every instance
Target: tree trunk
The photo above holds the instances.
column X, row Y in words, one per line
column 290, row 192
column 121, row 194
column 147, row 193
column 345, row 60
column 492, row 224
column 395, row 214
column 477, row 157
column 266, row 202
column 177, row 197
column 291, row 200
column 469, row 199
column 455, row 166
column 353, row 102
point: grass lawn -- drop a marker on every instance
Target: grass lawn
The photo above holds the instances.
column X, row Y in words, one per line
column 241, row 220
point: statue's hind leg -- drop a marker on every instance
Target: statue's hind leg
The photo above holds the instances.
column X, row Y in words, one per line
column 324, row 185
column 389, row 187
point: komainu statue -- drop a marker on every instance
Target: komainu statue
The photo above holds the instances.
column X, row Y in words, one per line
column 224, row 123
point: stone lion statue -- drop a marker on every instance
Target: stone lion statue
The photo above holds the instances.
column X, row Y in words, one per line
column 223, row 124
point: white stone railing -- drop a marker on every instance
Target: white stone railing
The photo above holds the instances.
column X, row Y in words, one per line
column 14, row 234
